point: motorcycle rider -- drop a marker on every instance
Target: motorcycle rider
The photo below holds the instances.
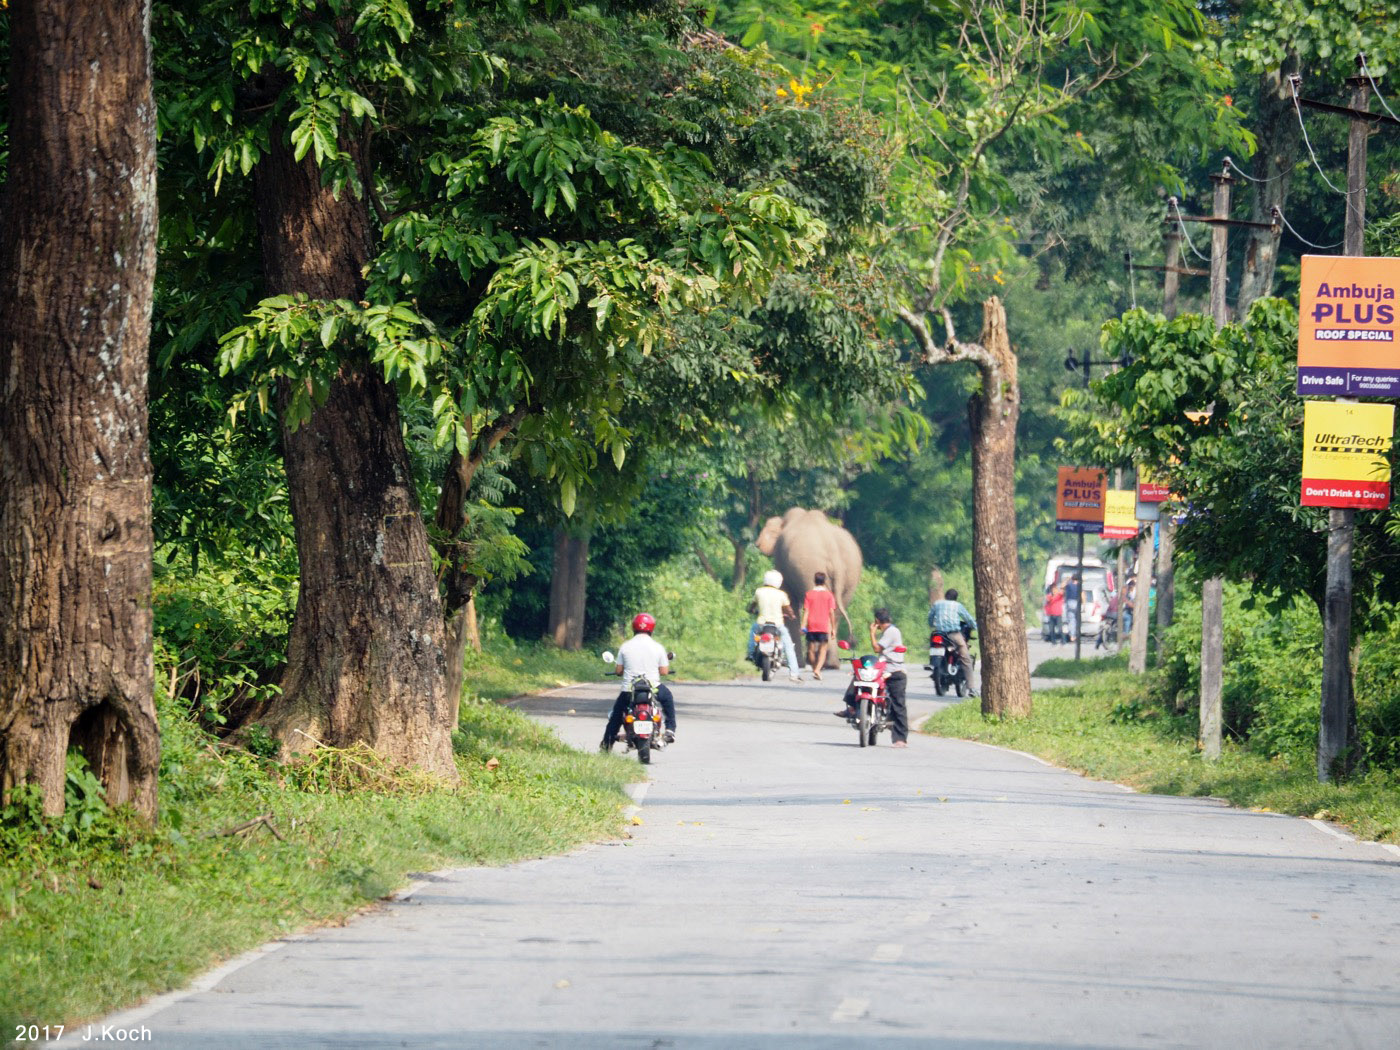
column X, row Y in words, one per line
column 885, row 639
column 950, row 618
column 642, row 656
column 773, row 606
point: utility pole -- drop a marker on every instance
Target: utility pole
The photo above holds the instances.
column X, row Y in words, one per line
column 1166, row 530
column 1213, row 590
column 1337, row 725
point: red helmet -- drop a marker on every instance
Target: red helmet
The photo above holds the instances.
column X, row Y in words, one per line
column 644, row 622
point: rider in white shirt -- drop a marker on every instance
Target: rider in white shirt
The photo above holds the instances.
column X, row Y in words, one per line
column 642, row 656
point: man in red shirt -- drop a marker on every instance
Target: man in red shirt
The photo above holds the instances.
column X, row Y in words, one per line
column 818, row 605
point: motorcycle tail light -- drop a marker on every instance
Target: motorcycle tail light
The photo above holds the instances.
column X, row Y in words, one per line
column 765, row 637
column 937, row 639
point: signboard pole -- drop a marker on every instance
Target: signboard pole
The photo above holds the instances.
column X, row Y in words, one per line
column 1079, row 605
column 1213, row 591
column 1337, row 725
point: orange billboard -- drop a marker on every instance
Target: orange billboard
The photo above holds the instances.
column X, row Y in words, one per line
column 1349, row 326
column 1079, row 499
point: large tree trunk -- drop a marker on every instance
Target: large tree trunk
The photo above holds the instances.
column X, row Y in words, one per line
column 367, row 658
column 568, row 589
column 1279, row 142
column 1001, row 610
column 77, row 261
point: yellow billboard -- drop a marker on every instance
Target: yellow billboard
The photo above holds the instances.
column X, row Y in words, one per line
column 1119, row 514
column 1346, row 461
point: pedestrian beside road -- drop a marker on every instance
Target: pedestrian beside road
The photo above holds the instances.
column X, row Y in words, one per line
column 1054, row 613
column 1073, row 590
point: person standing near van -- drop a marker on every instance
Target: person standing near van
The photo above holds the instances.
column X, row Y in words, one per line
column 1055, row 613
column 818, row 609
column 1074, row 590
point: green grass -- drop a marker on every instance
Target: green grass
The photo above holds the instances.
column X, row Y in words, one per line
column 1069, row 667
column 1104, row 727
column 91, row 925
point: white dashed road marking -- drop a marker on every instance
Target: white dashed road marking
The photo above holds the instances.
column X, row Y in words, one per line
column 851, row 1010
column 887, row 953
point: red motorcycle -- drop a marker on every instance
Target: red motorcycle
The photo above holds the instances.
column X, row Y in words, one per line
column 868, row 674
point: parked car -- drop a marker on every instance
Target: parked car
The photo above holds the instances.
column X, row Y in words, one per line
column 1098, row 585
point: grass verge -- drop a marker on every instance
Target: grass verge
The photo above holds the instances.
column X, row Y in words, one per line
column 1103, row 726
column 94, row 918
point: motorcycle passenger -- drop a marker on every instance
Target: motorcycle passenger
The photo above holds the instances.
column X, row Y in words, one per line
column 885, row 638
column 773, row 606
column 642, row 656
column 950, row 618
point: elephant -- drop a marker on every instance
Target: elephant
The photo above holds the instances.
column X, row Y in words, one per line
column 803, row 543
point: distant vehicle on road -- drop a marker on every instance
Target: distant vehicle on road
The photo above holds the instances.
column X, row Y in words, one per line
column 1098, row 585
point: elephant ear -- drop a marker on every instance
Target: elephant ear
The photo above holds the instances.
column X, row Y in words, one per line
column 768, row 538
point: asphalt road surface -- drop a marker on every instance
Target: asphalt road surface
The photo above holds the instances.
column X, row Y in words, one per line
column 787, row 888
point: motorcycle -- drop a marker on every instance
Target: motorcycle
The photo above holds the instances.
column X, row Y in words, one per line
column 768, row 652
column 1108, row 631
column 641, row 725
column 943, row 665
column 872, row 698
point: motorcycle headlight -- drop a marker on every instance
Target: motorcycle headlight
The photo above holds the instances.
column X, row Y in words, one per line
column 866, row 674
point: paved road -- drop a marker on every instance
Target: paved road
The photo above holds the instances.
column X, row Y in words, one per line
column 808, row 893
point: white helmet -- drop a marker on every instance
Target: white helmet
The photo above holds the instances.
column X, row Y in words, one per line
column 772, row 578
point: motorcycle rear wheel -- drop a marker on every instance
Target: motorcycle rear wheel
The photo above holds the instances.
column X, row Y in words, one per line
column 939, row 686
column 961, row 687
column 765, row 664
column 644, row 751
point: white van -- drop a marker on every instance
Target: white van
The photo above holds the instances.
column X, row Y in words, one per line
column 1098, row 587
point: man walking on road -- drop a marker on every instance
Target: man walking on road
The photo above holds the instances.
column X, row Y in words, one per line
column 951, row 619
column 817, row 607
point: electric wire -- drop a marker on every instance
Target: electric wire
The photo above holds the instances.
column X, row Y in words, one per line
column 1132, row 280
column 1185, row 232
column 1289, row 227
column 1366, row 72
column 1298, row 108
column 1251, row 178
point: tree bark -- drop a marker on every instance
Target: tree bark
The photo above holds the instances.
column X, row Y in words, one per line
column 77, row 261
column 1137, row 657
column 1278, row 145
column 741, row 564
column 568, row 589
column 1001, row 610
column 367, row 658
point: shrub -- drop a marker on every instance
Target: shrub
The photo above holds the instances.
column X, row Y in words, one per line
column 223, row 632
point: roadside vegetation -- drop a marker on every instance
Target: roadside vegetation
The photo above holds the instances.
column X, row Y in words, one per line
column 1141, row 730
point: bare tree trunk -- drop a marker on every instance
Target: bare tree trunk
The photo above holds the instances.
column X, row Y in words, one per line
column 741, row 564
column 568, row 589
column 77, row 262
column 367, row 658
column 1137, row 656
column 1278, row 142
column 1001, row 611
